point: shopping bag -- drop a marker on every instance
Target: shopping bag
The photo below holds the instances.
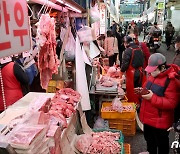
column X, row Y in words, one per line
column 70, row 48
column 94, row 13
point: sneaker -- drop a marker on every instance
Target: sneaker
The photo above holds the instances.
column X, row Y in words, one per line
column 168, row 48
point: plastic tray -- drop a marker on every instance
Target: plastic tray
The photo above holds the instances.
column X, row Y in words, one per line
column 127, row 126
column 115, row 114
column 127, row 148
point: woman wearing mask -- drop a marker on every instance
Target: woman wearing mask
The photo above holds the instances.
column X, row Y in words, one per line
column 157, row 108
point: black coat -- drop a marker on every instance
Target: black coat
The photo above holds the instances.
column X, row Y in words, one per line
column 137, row 61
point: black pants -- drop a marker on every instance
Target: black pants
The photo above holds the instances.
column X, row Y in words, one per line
column 168, row 41
column 157, row 140
column 115, row 57
column 111, row 60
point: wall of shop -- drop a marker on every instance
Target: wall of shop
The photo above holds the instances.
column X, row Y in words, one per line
column 175, row 20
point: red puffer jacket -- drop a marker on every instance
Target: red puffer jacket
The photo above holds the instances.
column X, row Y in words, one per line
column 159, row 111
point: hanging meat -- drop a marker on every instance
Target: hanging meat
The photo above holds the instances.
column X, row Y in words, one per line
column 47, row 60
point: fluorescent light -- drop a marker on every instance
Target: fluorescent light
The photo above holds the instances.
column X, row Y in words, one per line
column 72, row 7
column 60, row 1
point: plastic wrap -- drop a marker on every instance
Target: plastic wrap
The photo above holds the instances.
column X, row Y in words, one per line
column 117, row 105
column 83, row 142
column 101, row 123
column 26, row 136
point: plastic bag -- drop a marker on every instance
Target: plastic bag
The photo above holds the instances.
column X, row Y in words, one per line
column 94, row 14
column 70, row 48
column 117, row 105
column 83, row 142
column 86, row 34
column 101, row 123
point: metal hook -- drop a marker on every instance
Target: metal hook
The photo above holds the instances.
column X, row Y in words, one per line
column 30, row 10
column 41, row 9
column 45, row 8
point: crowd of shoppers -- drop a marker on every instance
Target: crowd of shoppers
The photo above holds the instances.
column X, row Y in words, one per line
column 159, row 108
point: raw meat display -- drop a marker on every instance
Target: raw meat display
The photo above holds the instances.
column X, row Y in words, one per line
column 114, row 72
column 74, row 95
column 106, row 81
column 26, row 136
column 125, row 108
column 54, row 133
column 47, row 60
column 99, row 142
column 107, row 84
column 63, row 106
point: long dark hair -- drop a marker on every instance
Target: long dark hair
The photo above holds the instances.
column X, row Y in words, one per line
column 109, row 33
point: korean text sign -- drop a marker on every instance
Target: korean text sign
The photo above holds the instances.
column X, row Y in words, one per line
column 14, row 27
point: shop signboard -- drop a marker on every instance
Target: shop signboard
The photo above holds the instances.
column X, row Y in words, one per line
column 102, row 18
column 14, row 27
column 161, row 6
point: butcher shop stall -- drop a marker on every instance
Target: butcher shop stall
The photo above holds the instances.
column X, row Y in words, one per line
column 72, row 101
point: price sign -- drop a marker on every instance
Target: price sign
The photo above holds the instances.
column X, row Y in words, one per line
column 14, row 27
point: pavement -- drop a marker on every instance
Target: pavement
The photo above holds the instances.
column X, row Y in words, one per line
column 137, row 142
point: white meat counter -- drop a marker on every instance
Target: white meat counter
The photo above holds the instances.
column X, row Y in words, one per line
column 22, row 106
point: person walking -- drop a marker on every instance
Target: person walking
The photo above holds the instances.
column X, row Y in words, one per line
column 140, row 27
column 111, row 48
column 176, row 59
column 157, row 107
column 169, row 32
column 132, row 64
column 13, row 78
column 121, row 47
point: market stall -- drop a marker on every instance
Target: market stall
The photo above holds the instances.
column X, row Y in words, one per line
column 52, row 121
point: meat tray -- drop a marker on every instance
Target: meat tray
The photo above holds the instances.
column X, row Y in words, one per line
column 100, row 88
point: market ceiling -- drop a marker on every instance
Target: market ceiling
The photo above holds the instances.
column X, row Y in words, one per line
column 132, row 1
column 57, row 4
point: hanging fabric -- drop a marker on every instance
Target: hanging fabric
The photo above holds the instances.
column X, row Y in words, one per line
column 81, row 79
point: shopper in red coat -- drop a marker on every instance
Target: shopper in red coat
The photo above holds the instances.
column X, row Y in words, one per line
column 13, row 77
column 157, row 108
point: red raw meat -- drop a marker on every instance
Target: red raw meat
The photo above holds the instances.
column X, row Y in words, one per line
column 47, row 60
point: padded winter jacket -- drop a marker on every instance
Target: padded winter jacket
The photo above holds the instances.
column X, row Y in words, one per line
column 110, row 46
column 13, row 75
column 158, row 112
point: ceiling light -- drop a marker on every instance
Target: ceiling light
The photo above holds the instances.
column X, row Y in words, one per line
column 72, row 7
column 60, row 1
column 69, row 5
